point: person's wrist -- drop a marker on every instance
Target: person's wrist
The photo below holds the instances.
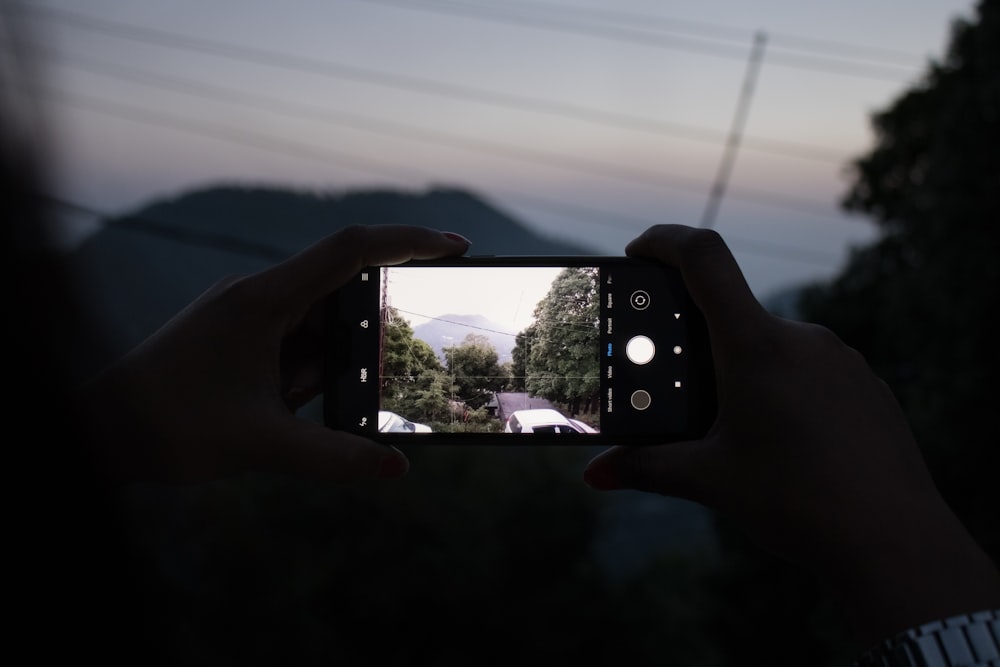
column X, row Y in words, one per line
column 913, row 567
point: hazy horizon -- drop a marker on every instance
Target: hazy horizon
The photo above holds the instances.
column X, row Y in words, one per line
column 587, row 121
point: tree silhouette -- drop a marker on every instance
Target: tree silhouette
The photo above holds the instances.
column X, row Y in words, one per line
column 919, row 302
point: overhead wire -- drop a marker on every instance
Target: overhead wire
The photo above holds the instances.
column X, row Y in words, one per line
column 356, row 162
column 270, row 103
column 633, row 224
column 714, row 31
column 424, row 85
column 382, row 126
column 601, row 219
column 351, row 161
column 506, row 13
column 150, row 227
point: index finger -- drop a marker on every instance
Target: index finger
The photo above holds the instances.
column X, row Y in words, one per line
column 332, row 261
column 711, row 274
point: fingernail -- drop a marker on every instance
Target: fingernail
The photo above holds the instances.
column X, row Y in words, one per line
column 392, row 466
column 457, row 237
column 601, row 477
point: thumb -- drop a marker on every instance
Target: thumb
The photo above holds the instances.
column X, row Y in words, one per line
column 670, row 469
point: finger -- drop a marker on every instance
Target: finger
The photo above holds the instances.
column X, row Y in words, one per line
column 309, row 450
column 711, row 274
column 330, row 262
column 674, row 469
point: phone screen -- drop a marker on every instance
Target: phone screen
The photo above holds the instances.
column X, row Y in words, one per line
column 569, row 347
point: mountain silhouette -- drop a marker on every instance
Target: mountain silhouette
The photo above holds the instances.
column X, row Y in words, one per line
column 146, row 265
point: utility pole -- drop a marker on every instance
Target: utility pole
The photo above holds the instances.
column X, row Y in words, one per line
column 735, row 132
column 383, row 322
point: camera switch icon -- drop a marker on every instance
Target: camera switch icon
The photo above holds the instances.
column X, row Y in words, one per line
column 639, row 299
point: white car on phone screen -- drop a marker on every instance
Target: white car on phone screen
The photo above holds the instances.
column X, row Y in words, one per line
column 390, row 422
column 544, row 420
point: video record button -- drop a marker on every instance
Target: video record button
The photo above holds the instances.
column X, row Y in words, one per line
column 641, row 399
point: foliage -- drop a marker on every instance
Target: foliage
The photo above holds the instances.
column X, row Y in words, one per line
column 450, row 397
column 475, row 369
column 425, row 400
column 918, row 303
column 413, row 381
column 403, row 356
column 559, row 351
column 473, row 421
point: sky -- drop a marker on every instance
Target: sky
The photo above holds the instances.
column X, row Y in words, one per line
column 588, row 120
column 506, row 295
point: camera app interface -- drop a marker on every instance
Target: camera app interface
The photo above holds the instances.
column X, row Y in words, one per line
column 568, row 350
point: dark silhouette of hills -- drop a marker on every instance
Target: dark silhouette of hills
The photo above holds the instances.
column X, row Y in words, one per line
column 148, row 264
column 286, row 220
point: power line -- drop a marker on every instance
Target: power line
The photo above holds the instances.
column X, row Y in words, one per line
column 571, row 327
column 576, row 212
column 793, row 254
column 228, row 133
column 631, row 175
column 426, row 86
column 367, row 122
column 150, row 227
column 601, row 219
column 578, row 328
column 383, row 169
column 725, row 33
column 647, row 22
column 501, row 13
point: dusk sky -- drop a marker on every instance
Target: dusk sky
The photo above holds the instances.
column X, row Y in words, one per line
column 586, row 119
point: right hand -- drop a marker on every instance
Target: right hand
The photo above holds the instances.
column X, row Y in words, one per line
column 810, row 453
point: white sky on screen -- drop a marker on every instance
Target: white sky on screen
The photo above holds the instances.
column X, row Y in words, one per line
column 505, row 295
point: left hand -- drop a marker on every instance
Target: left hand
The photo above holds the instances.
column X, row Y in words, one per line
column 214, row 391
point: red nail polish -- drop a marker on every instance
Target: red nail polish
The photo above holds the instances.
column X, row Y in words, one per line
column 392, row 466
column 602, row 478
column 457, row 237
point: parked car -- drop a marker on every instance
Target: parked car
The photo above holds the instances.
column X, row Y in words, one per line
column 390, row 422
column 584, row 427
column 544, row 420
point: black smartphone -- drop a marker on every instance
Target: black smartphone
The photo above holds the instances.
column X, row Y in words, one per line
column 518, row 350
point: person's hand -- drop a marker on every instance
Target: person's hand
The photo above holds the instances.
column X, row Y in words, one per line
column 214, row 391
column 810, row 453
